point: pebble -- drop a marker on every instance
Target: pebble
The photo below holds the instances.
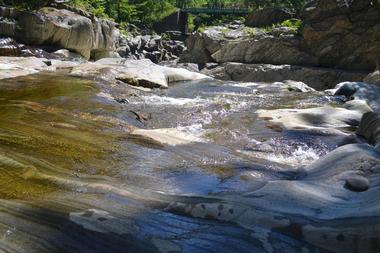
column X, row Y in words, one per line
column 357, row 184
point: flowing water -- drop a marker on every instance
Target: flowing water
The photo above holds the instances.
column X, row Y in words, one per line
column 74, row 177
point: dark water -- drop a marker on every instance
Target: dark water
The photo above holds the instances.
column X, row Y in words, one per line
column 74, row 178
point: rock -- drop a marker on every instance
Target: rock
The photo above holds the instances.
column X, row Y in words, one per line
column 135, row 72
column 9, row 47
column 316, row 207
column 267, row 17
column 325, row 120
column 317, row 78
column 97, row 55
column 221, row 44
column 167, row 136
column 332, row 35
column 357, row 184
column 265, row 49
column 369, row 127
column 174, row 64
column 196, row 50
column 61, row 28
column 68, row 55
column 341, row 35
column 151, row 47
column 154, row 56
column 297, row 86
column 360, row 91
column 373, row 78
column 11, row 67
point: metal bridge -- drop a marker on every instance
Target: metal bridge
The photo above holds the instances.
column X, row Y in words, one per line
column 217, row 7
column 178, row 21
column 217, row 11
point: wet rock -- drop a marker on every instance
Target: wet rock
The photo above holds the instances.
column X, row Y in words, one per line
column 360, row 91
column 357, row 184
column 297, row 86
column 267, row 17
column 68, row 55
column 369, row 127
column 11, row 67
column 373, row 78
column 325, row 120
column 135, row 72
column 9, row 47
column 174, row 64
column 97, row 55
column 167, row 136
column 317, row 78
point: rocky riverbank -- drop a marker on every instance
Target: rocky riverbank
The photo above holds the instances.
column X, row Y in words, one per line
column 280, row 152
column 336, row 42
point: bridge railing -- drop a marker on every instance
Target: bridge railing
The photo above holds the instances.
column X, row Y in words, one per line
column 239, row 11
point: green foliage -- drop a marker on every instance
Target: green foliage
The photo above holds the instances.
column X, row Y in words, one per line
column 250, row 31
column 150, row 11
column 292, row 23
column 296, row 24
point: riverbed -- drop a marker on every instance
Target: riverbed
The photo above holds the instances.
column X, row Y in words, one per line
column 92, row 166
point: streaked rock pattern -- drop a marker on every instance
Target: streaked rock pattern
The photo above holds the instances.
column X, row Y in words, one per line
column 80, row 171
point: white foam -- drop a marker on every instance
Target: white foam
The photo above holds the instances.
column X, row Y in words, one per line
column 158, row 100
column 105, row 95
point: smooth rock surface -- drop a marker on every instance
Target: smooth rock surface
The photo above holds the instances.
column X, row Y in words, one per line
column 360, row 91
column 369, row 127
column 135, row 72
column 357, row 183
column 11, row 67
column 59, row 28
column 317, row 78
column 322, row 120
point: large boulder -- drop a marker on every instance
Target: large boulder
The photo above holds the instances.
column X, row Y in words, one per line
column 265, row 49
column 59, row 28
column 267, row 17
column 246, row 45
column 342, row 34
column 142, row 73
column 197, row 51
